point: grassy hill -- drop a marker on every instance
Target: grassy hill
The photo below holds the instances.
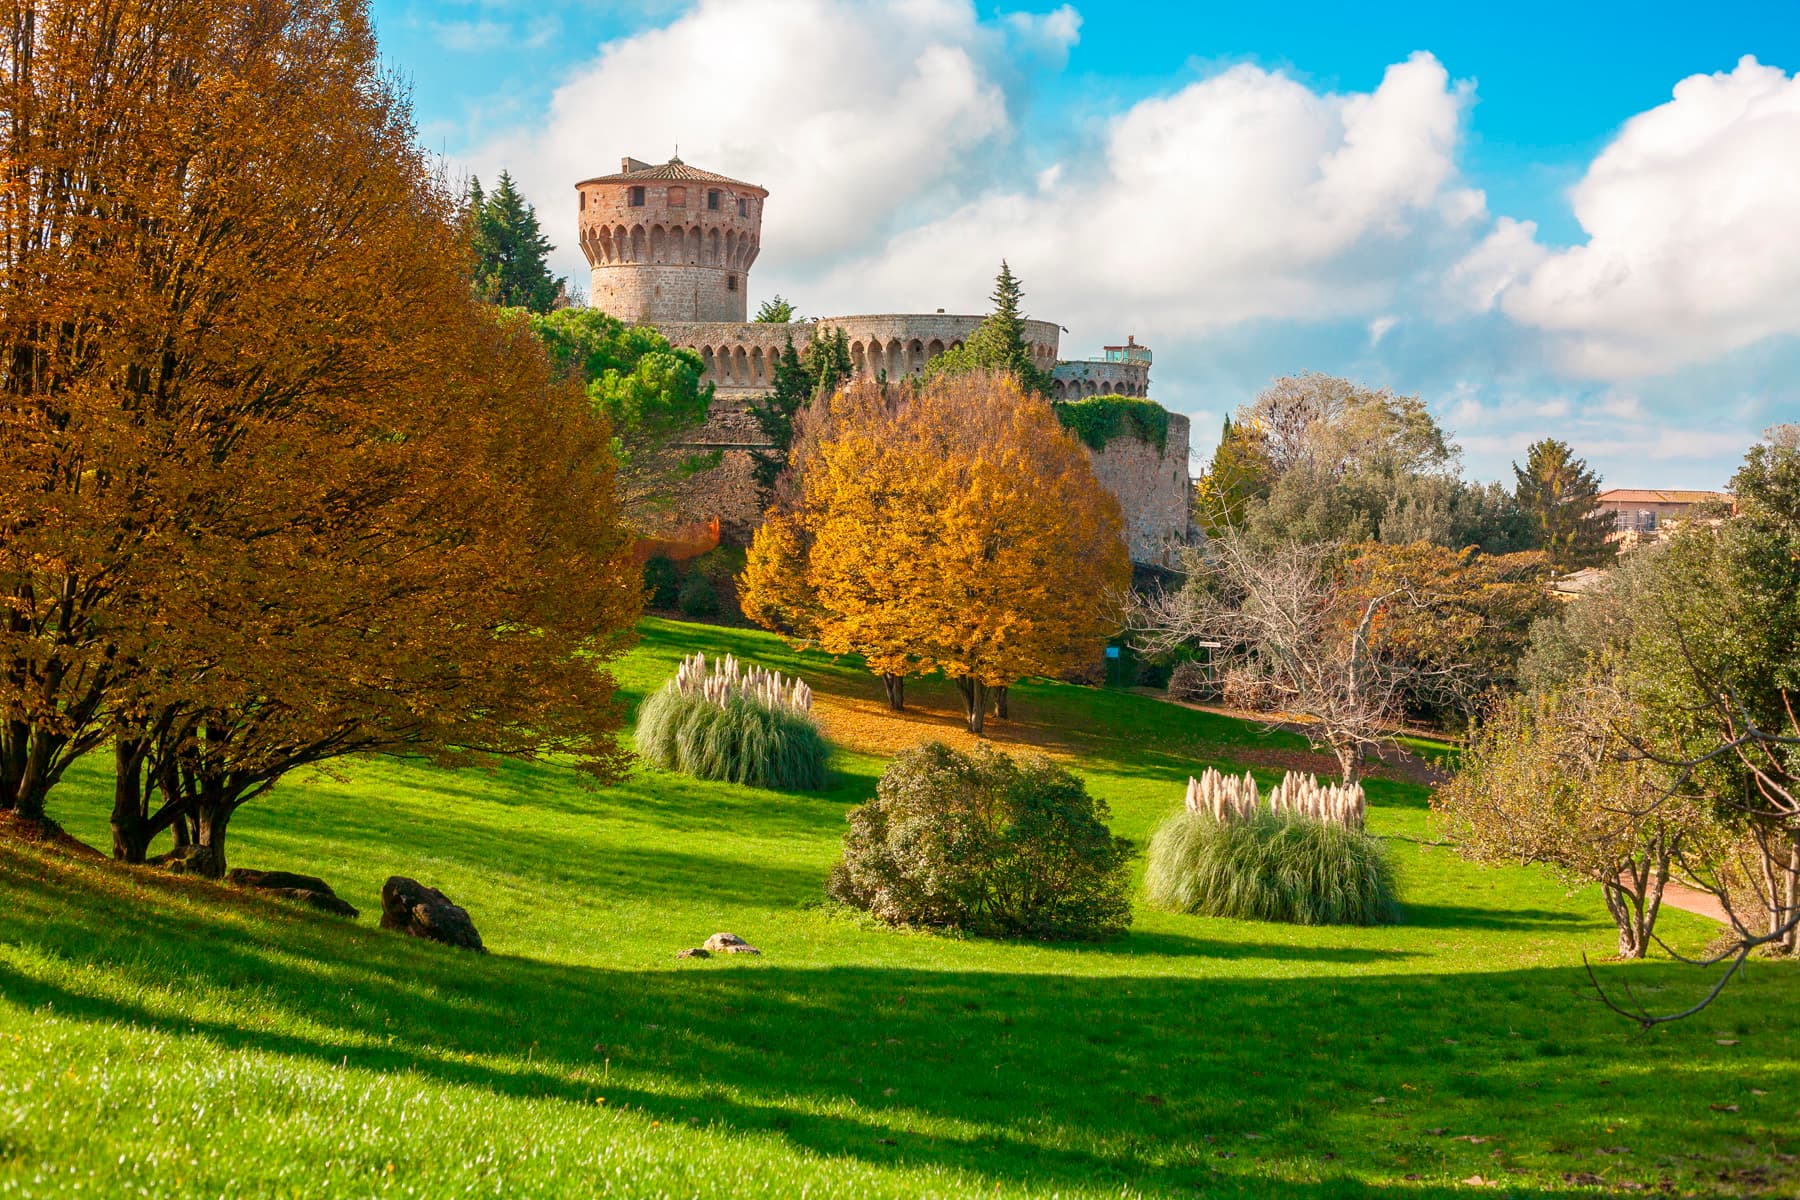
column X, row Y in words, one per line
column 161, row 1036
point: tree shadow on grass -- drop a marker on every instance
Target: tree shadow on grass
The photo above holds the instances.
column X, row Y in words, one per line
column 1456, row 916
column 1331, row 1085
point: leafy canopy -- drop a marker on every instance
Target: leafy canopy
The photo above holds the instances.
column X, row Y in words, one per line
column 952, row 525
column 777, row 310
column 651, row 394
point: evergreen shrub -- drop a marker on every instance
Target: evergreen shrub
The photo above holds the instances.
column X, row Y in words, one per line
column 662, row 582
column 983, row 843
column 1269, row 867
column 698, row 597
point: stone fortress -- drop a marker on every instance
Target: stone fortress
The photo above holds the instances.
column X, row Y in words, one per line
column 671, row 246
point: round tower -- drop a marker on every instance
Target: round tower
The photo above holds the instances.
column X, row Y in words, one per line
column 669, row 243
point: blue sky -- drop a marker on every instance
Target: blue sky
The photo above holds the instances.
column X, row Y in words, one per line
column 1576, row 220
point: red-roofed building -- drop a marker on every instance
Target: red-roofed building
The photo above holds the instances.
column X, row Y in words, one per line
column 1644, row 511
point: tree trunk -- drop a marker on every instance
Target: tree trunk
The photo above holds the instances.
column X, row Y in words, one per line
column 1787, row 900
column 896, row 691
column 1349, row 757
column 974, row 698
column 212, row 815
column 130, row 824
column 1634, row 897
column 1000, row 709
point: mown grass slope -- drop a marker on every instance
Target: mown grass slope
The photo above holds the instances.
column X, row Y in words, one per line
column 159, row 1036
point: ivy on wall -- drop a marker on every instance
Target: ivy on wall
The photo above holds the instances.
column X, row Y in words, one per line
column 1097, row 420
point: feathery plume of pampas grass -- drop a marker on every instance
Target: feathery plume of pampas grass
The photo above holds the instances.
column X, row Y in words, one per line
column 741, row 724
column 1296, row 797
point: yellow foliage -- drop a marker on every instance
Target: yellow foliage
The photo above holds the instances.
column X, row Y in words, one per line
column 952, row 525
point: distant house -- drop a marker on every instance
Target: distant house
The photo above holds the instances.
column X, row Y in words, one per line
column 1639, row 514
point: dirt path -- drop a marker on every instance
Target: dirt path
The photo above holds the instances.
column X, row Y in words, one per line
column 1689, row 899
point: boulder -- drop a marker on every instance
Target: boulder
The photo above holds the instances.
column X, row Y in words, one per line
column 420, row 911
column 289, row 885
column 694, row 952
column 729, row 943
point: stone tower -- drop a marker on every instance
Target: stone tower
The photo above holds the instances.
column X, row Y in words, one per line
column 670, row 243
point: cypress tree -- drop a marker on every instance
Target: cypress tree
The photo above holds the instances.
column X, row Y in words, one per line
column 774, row 414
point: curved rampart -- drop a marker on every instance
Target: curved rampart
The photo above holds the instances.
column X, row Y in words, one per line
column 1091, row 377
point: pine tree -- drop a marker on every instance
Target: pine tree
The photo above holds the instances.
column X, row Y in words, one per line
column 511, row 252
column 777, row 310
column 999, row 343
column 1562, row 498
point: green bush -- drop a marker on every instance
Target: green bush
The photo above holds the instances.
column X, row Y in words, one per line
column 662, row 582
column 982, row 843
column 1097, row 420
column 740, row 741
column 1270, row 868
column 698, row 596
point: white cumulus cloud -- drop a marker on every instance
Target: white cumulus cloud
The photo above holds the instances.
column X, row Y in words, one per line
column 1691, row 216
column 1242, row 196
column 847, row 112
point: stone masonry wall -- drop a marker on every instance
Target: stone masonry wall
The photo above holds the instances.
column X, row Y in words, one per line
column 663, row 261
column 1090, row 377
column 1152, row 488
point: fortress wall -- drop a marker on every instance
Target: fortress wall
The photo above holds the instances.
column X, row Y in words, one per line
column 902, row 343
column 1075, row 380
column 1152, row 489
column 741, row 353
column 1151, row 486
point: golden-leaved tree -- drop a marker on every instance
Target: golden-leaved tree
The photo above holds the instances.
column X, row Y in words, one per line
column 274, row 487
column 951, row 525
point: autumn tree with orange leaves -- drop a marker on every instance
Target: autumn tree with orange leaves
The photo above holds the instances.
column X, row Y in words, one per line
column 951, row 525
column 274, row 487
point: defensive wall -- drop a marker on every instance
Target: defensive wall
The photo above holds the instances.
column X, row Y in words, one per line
column 1149, row 481
column 671, row 246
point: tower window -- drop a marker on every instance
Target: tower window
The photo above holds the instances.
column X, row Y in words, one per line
column 731, row 283
column 712, row 199
column 743, row 208
column 677, row 197
column 637, row 197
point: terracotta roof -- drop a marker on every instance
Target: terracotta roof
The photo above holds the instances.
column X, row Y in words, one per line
column 1659, row 496
column 674, row 170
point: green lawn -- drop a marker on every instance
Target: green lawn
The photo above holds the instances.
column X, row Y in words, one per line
column 160, row 1037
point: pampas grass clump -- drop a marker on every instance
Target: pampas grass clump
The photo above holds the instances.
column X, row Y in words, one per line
column 744, row 725
column 1266, row 866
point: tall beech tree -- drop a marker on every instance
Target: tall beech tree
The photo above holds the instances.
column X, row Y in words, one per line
column 951, row 525
column 273, row 485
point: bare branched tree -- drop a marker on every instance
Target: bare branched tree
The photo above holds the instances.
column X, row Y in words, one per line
column 1288, row 615
column 1769, row 807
